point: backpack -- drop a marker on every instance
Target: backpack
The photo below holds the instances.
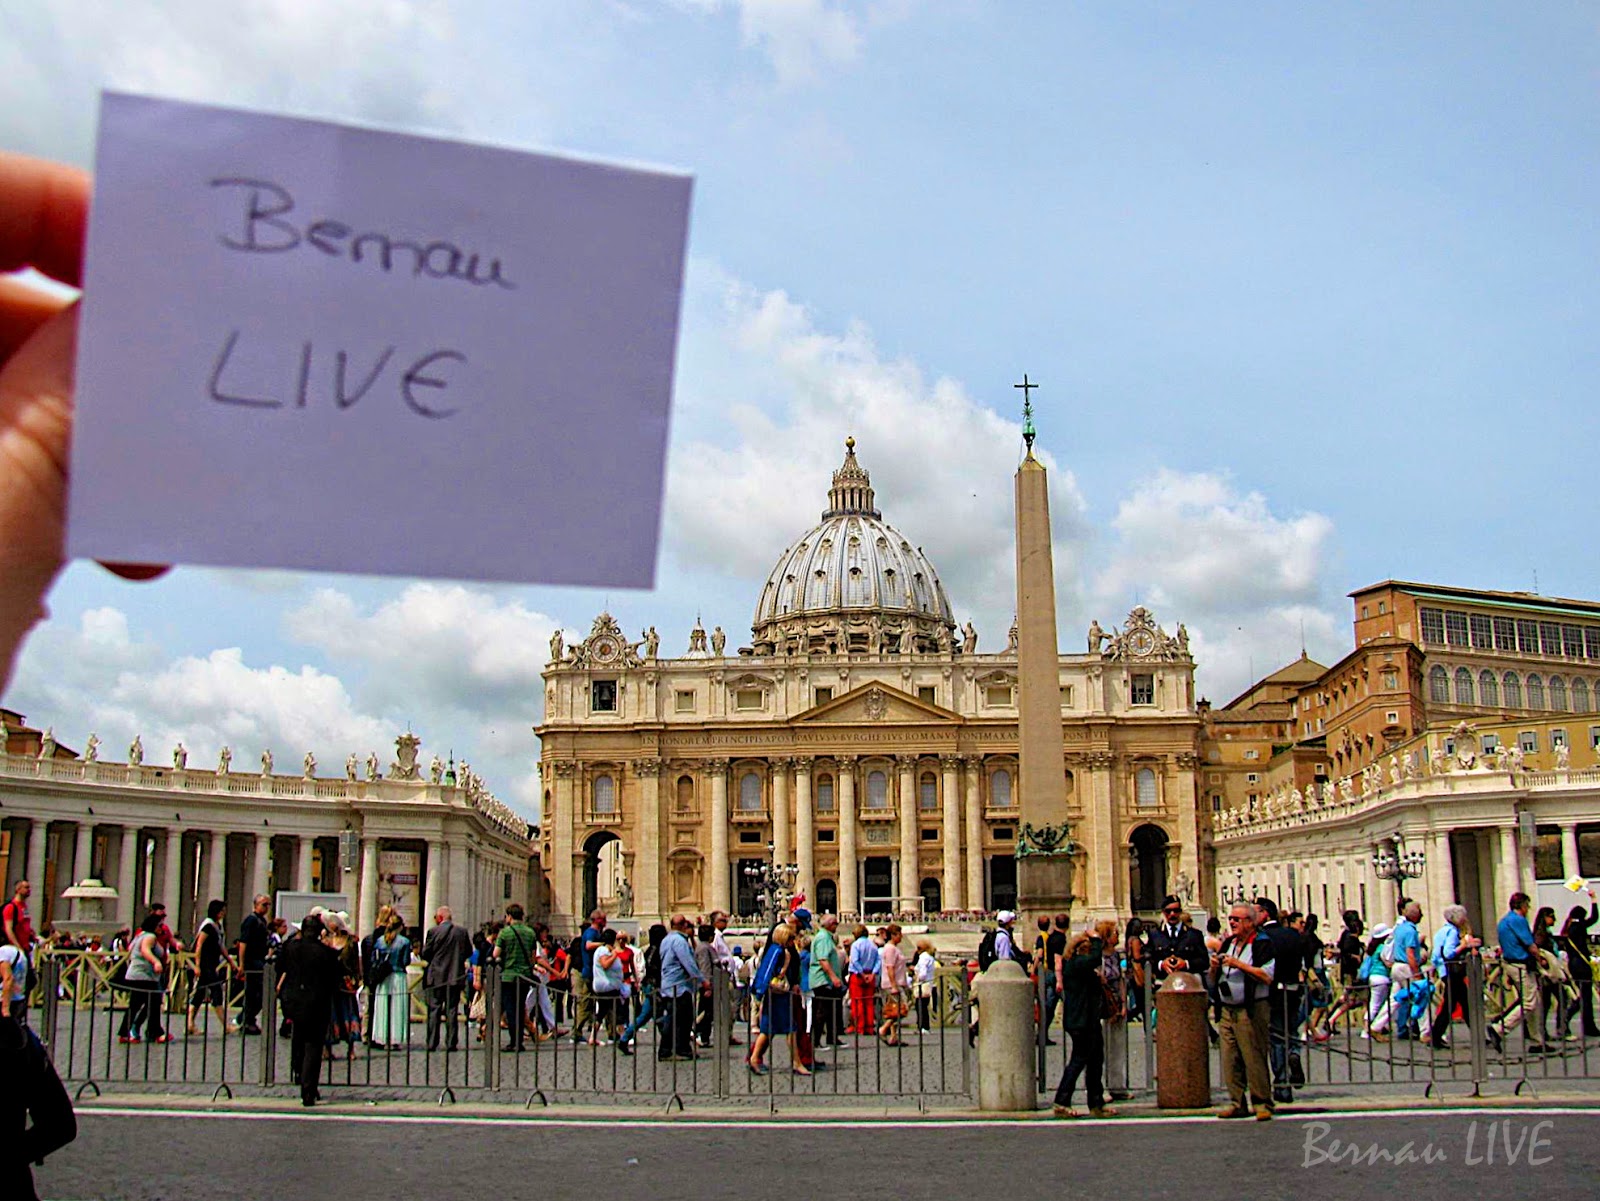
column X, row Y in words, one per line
column 770, row 958
column 382, row 965
column 1386, row 951
column 986, row 951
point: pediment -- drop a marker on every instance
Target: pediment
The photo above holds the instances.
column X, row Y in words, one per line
column 876, row 703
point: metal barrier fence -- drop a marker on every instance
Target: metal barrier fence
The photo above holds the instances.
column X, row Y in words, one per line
column 103, row 1034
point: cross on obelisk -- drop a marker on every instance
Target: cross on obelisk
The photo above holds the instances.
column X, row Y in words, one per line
column 1027, row 410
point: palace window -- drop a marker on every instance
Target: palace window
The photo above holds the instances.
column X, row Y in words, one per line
column 1482, row 633
column 1505, row 634
column 1528, row 741
column 1488, row 688
column 928, row 791
column 1550, row 637
column 1251, row 777
column 1463, row 686
column 1558, row 694
column 1557, row 738
column 1535, row 691
column 1488, row 744
column 1513, row 688
column 1391, row 681
column 1000, row 789
column 877, row 790
column 603, row 696
column 1432, row 626
column 1438, row 684
column 1144, row 787
column 1142, row 690
column 824, row 794
column 1591, row 642
column 1527, row 636
column 749, row 793
column 1455, row 628
column 1572, row 642
column 605, row 794
column 1580, row 695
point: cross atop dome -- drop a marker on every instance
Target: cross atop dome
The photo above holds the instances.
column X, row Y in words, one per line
column 852, row 487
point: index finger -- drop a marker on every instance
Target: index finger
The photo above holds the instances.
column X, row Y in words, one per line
column 44, row 208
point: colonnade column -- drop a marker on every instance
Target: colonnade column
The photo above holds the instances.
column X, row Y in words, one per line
column 305, row 852
column 432, row 894
column 805, row 832
column 974, row 811
column 849, row 895
column 172, row 872
column 1441, row 874
column 82, row 854
column 781, row 852
column 720, row 898
column 217, row 872
column 1509, row 871
column 910, row 877
column 1569, row 852
column 950, row 790
column 368, row 910
column 127, row 866
column 258, row 866
column 647, row 863
column 38, row 832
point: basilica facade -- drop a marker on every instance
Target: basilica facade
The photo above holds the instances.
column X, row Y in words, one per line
column 862, row 738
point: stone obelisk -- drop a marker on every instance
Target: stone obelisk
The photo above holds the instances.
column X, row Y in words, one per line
column 1044, row 859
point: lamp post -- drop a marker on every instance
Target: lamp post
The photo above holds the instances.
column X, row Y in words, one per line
column 1233, row 895
column 1398, row 864
column 772, row 884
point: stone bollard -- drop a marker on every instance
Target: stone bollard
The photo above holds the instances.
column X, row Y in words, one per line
column 1183, row 1054
column 1007, row 1078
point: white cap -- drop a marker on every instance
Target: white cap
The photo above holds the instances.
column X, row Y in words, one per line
column 1382, row 930
column 1005, row 917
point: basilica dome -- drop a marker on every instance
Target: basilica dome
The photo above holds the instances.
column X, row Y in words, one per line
column 852, row 583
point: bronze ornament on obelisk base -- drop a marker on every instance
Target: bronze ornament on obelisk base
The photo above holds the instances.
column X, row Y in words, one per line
column 1045, row 848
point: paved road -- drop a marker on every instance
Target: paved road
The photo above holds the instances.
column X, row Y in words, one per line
column 284, row 1156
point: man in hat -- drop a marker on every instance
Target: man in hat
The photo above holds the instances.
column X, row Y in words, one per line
column 1005, row 945
column 1173, row 946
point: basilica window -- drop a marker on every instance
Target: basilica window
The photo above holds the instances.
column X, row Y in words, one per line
column 821, row 695
column 685, row 798
column 1535, row 691
column 603, row 696
column 750, row 793
column 605, row 794
column 1463, row 686
column 683, row 700
column 1000, row 789
column 877, row 790
column 997, row 696
column 1558, row 694
column 1438, row 684
column 824, row 794
column 1142, row 689
column 928, row 791
column 1488, row 688
column 1513, row 689
column 1144, row 787
column 928, row 694
column 748, row 698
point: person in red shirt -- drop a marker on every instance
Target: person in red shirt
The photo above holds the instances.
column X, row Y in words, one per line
column 18, row 925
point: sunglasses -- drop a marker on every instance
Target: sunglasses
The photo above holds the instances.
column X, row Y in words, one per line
column 1231, row 918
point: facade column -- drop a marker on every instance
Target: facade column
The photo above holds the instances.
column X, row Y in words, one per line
column 460, row 897
column 974, row 811
column 368, row 913
column 38, row 832
column 646, row 881
column 565, row 896
column 258, row 866
column 172, row 872
column 950, row 790
column 432, row 890
column 805, row 831
column 782, row 852
column 1569, row 851
column 217, row 871
column 305, row 849
column 127, row 868
column 720, row 898
column 1508, row 871
column 849, row 869
column 910, row 817
column 1189, row 821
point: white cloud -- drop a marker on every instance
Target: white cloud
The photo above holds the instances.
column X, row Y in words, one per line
column 803, row 38
column 941, row 464
column 1247, row 582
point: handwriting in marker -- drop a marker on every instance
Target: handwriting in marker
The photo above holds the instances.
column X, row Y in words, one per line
column 365, row 372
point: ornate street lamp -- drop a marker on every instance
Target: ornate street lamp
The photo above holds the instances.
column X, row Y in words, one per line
column 773, row 885
column 1398, row 864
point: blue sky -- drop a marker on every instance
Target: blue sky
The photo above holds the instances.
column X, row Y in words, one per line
column 1309, row 289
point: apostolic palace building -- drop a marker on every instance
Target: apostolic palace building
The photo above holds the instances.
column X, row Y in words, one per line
column 861, row 737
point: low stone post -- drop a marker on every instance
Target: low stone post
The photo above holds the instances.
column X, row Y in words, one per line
column 1007, row 1079
column 1183, row 1054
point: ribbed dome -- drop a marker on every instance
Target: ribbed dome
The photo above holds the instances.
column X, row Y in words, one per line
column 852, row 582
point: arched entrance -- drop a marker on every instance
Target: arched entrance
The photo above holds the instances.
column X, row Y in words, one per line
column 827, row 896
column 1147, row 868
column 602, row 871
column 932, row 892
